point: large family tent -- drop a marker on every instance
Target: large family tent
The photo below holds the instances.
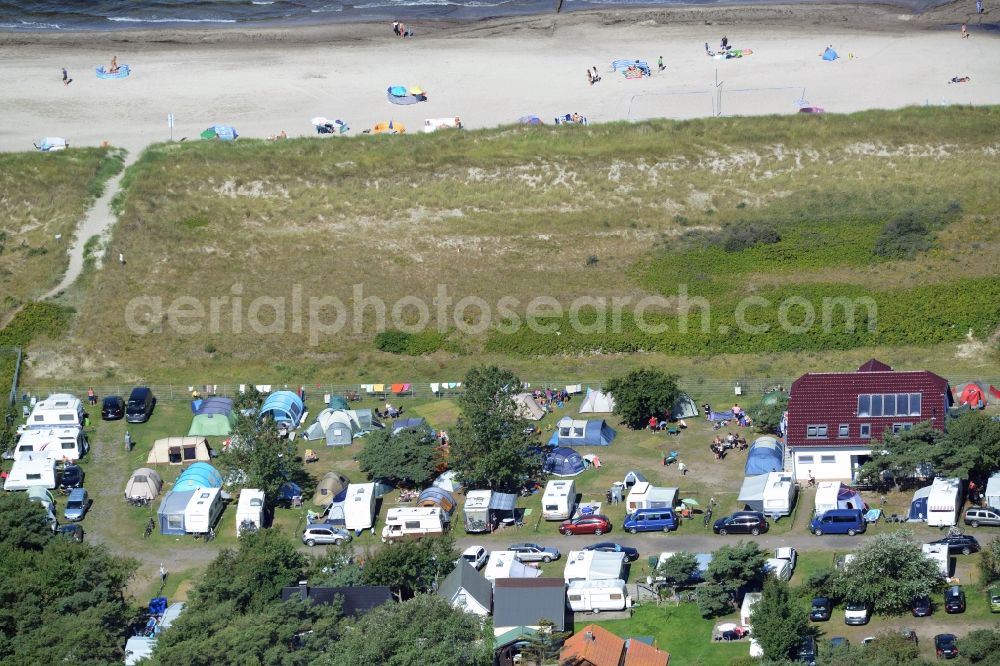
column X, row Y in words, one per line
column 178, row 451
column 448, row 480
column 337, row 402
column 972, row 394
column 336, row 426
column 832, row 495
column 213, row 417
column 597, row 402
column 283, row 407
column 562, row 461
column 144, row 483
column 434, row 496
column 198, row 475
column 766, row 455
column 684, row 408
column 331, row 488
column 572, row 432
column 527, row 407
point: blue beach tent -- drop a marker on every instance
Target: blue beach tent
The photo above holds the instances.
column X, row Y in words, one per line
column 562, row 461
column 283, row 407
column 198, row 475
column 829, row 54
column 766, row 455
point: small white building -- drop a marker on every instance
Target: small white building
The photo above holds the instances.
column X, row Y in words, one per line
column 593, row 565
column 644, row 495
column 30, row 469
column 944, row 502
column 203, row 510
column 504, row 564
column 250, row 509
column 359, row 506
column 466, row 589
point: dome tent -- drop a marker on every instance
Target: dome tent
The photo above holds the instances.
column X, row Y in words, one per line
column 766, row 455
column 283, row 407
column 145, row 483
column 563, row 461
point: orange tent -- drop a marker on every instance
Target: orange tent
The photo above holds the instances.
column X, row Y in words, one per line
column 973, row 396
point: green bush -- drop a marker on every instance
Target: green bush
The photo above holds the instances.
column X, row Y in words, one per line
column 903, row 237
column 410, row 344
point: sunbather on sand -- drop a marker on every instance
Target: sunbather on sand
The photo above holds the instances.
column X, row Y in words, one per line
column 114, row 65
column 960, row 79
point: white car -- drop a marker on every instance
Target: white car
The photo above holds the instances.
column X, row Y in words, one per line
column 476, row 556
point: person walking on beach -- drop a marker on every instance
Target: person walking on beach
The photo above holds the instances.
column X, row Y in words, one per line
column 590, row 77
column 979, row 6
column 66, row 79
column 597, row 77
column 965, row 31
column 395, row 28
column 659, row 63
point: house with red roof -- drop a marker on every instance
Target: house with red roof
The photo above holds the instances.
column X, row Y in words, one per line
column 834, row 416
column 596, row 646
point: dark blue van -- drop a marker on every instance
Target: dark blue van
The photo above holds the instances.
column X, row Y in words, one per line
column 650, row 520
column 838, row 521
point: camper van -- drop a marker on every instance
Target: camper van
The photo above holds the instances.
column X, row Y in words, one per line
column 595, row 596
column 60, row 444
column 779, row 494
column 559, row 499
column 32, row 468
column 203, row 510
column 412, row 522
column 359, row 506
column 250, row 510
column 59, row 410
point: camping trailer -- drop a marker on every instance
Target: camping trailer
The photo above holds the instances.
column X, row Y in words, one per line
column 60, row 444
column 779, row 494
column 585, row 596
column 504, row 564
column 32, row 468
column 593, row 565
column 832, row 495
column 359, row 506
column 412, row 522
column 484, row 509
column 938, row 553
column 203, row 510
column 944, row 502
column 250, row 509
column 644, row 495
column 992, row 495
column 559, row 499
column 59, row 410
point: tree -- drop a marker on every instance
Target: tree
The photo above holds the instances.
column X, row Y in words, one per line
column 888, row 649
column 643, row 393
column 336, row 568
column 248, row 400
column 820, row 582
column 974, row 437
column 408, row 457
column 888, row 572
column 409, row 567
column 737, row 567
column 767, row 413
column 980, row 646
column 23, row 524
column 493, row 446
column 989, row 562
column 902, row 453
column 545, row 645
column 779, row 622
column 676, row 570
column 423, row 630
column 713, row 600
column 258, row 458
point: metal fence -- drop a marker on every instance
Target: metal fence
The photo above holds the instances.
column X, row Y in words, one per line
column 16, row 351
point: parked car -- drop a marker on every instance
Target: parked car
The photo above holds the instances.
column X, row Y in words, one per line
column 476, row 556
column 959, row 544
column 325, row 533
column 140, row 405
column 982, row 515
column 909, row 634
column 838, row 521
column 857, row 612
column 594, row 524
column 820, row 610
column 532, row 552
column 806, row 653
column 650, row 520
column 631, row 554
column 954, row 600
column 921, row 607
column 76, row 505
column 741, row 522
column 73, row 532
column 112, row 408
column 945, row 646
column 71, row 477
column 994, row 599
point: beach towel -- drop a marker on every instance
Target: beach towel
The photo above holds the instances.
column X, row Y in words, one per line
column 378, row 388
column 719, row 416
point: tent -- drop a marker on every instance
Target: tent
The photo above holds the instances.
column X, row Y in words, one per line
column 835, row 495
column 144, row 483
column 766, row 454
column 448, row 481
column 633, row 477
column 336, row 426
column 198, row 475
column 684, row 408
column 404, row 95
column 213, row 417
column 364, row 421
column 407, row 424
column 751, row 495
column 337, row 402
column 563, row 461
column 435, row 496
column 220, row 132
column 918, row 505
column 215, row 405
column 992, row 495
column 170, row 515
column 527, row 407
column 283, row 407
column 331, row 488
column 530, row 120
column 597, row 402
column 829, row 54
column 178, row 451
column 593, row 432
column 973, row 395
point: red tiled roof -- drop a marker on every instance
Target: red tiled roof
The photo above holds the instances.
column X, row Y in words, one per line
column 592, row 646
column 831, row 399
column 641, row 654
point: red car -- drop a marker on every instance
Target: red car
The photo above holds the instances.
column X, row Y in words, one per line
column 586, row 525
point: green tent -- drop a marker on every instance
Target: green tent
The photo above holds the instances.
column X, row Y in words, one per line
column 338, row 402
column 212, row 425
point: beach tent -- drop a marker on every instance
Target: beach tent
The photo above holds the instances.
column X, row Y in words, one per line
column 389, row 127
column 198, row 475
column 829, row 54
column 331, row 488
column 404, row 95
column 144, row 483
column 633, row 477
column 530, row 120
column 751, row 497
column 527, row 407
column 283, row 407
column 973, row 395
column 51, row 144
column 832, row 495
column 641, row 65
column 178, row 451
column 572, row 432
column 170, row 515
column 448, row 481
column 684, row 408
column 597, row 402
column 120, row 72
column 918, row 505
column 338, row 402
column 563, row 461
column 220, row 132
column 766, row 454
column 435, row 496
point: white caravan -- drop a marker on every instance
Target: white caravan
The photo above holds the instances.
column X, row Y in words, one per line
column 203, row 510
column 59, row 410
column 359, row 506
column 60, row 444
column 586, row 596
column 559, row 499
column 31, row 469
column 593, row 565
column 412, row 522
column 944, row 503
column 779, row 494
column 250, row 510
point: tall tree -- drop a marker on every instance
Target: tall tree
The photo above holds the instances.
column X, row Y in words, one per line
column 409, row 457
column 889, row 648
column 676, row 570
column 767, row 413
column 736, row 567
column 258, row 458
column 989, row 562
column 974, row 439
column 544, row 646
column 981, row 646
column 888, row 572
column 23, row 523
column 904, row 452
column 493, row 446
column 409, row 567
column 643, row 393
column 779, row 621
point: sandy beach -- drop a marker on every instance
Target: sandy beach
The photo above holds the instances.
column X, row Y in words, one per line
column 490, row 72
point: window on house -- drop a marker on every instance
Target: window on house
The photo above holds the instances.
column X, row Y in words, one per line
column 889, row 404
column 914, row 404
column 864, row 405
column 827, row 460
column 844, row 430
column 903, row 404
column 876, row 405
column 900, row 427
column 805, row 460
column 816, row 431
column 865, row 430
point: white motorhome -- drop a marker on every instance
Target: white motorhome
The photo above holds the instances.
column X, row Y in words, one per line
column 32, row 468
column 412, row 522
column 504, row 564
column 359, row 506
column 60, row 444
column 203, row 510
column 779, row 494
column 559, row 499
column 59, row 410
column 944, row 502
column 250, row 510
column 938, row 554
column 585, row 596
column 593, row 565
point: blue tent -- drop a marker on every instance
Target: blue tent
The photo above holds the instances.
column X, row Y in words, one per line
column 829, row 54
column 283, row 407
column 289, row 491
column 766, row 454
column 220, row 132
column 214, row 405
column 406, row 424
column 562, row 461
column 572, row 432
column 918, row 506
column 171, row 512
column 198, row 475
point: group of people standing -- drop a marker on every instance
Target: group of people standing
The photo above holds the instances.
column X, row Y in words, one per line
column 399, row 29
column 592, row 76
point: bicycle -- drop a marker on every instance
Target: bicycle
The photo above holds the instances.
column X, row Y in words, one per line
column 210, row 534
column 149, row 529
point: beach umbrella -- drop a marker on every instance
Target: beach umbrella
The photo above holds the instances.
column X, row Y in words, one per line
column 689, row 502
column 416, row 90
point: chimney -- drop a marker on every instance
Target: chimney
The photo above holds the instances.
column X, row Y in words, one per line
column 304, row 588
column 589, row 636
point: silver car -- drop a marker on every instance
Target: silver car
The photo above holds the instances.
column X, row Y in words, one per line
column 76, row 505
column 532, row 552
column 323, row 533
